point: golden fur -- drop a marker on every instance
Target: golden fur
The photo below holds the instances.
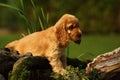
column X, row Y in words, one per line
column 51, row 43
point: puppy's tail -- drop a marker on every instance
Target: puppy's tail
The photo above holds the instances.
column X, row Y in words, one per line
column 11, row 44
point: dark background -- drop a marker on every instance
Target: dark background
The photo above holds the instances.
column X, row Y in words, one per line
column 95, row 16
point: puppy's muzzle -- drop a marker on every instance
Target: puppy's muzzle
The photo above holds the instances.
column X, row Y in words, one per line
column 78, row 38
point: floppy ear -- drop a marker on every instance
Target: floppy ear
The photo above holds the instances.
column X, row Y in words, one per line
column 62, row 35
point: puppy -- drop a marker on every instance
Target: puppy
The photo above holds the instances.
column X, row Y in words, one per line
column 51, row 43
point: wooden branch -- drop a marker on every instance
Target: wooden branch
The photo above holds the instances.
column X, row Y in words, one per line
column 108, row 65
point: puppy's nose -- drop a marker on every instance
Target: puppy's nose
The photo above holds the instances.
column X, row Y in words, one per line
column 79, row 35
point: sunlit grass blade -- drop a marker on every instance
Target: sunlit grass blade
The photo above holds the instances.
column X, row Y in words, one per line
column 43, row 13
column 33, row 4
column 24, row 16
column 82, row 54
column 41, row 24
column 23, row 35
column 28, row 25
column 22, row 5
column 43, row 16
column 11, row 7
column 28, row 30
column 35, row 16
column 47, row 20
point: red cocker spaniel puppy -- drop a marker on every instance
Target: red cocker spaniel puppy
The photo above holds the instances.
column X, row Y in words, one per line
column 51, row 43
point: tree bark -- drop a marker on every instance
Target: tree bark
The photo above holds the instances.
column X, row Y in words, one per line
column 108, row 65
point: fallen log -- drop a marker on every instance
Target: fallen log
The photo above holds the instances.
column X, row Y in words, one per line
column 6, row 62
column 14, row 66
column 107, row 64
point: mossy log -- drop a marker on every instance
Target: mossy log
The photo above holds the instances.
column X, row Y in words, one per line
column 108, row 65
column 23, row 67
column 28, row 67
column 6, row 62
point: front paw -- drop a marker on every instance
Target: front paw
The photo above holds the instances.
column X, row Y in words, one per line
column 60, row 71
column 63, row 72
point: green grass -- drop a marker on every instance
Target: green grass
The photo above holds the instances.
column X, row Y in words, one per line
column 4, row 39
column 90, row 47
column 93, row 45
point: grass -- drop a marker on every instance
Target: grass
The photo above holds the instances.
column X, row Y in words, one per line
column 93, row 45
column 40, row 19
column 4, row 39
column 90, row 47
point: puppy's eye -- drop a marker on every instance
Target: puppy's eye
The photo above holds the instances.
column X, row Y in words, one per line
column 71, row 27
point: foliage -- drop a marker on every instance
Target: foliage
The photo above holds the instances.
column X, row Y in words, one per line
column 75, row 74
column 71, row 74
column 32, row 25
column 95, row 16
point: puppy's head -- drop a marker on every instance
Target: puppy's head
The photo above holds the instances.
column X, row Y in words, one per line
column 72, row 28
column 68, row 26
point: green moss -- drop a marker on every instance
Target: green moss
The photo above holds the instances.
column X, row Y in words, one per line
column 23, row 68
column 20, row 71
column 29, row 68
column 71, row 74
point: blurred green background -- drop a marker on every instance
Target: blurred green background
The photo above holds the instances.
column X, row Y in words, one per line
column 99, row 22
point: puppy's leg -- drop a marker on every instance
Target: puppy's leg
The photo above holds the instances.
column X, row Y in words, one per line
column 56, row 64
column 64, row 60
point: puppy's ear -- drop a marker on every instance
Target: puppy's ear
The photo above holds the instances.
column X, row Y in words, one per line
column 62, row 35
